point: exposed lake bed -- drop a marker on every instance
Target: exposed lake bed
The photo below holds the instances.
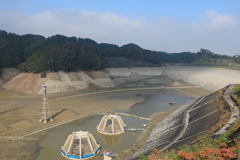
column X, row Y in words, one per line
column 70, row 105
column 56, row 137
column 76, row 106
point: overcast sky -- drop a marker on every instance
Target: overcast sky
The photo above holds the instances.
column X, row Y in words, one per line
column 161, row 25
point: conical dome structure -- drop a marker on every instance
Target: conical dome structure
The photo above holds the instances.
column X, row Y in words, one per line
column 111, row 125
column 80, row 145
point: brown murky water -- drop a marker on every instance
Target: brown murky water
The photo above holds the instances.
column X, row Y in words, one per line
column 55, row 138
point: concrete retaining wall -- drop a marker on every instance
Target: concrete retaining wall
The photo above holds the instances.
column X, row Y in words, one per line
column 209, row 78
column 235, row 112
column 124, row 72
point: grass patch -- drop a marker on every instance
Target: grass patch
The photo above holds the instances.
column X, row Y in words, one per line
column 235, row 94
column 219, row 63
column 236, row 89
column 236, row 99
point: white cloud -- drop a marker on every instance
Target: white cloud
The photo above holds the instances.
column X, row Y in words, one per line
column 218, row 33
column 217, row 21
column 82, row 24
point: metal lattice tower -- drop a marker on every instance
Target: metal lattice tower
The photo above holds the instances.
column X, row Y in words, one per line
column 45, row 107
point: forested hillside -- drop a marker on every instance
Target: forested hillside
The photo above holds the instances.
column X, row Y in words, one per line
column 236, row 59
column 35, row 53
column 13, row 48
column 189, row 57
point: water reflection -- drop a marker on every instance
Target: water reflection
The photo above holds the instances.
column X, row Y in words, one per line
column 111, row 140
column 46, row 144
column 156, row 103
column 56, row 137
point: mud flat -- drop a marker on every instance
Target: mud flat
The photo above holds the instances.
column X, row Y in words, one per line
column 25, row 120
column 20, row 122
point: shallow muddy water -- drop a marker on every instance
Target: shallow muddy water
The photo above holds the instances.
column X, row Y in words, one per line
column 156, row 103
column 56, row 137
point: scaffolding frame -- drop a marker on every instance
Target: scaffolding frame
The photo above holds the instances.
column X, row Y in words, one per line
column 80, row 145
column 111, row 125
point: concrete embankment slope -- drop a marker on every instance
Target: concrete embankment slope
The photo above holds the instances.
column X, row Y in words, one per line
column 30, row 83
column 184, row 125
column 136, row 76
column 235, row 112
column 209, row 78
column 125, row 72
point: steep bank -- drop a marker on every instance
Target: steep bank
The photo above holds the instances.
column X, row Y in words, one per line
column 208, row 78
column 30, row 83
column 190, row 121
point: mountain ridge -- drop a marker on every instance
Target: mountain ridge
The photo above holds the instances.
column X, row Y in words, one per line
column 36, row 54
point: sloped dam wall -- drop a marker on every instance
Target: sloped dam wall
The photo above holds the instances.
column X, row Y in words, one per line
column 184, row 125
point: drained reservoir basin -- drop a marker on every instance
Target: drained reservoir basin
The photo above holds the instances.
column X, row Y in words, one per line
column 50, row 146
